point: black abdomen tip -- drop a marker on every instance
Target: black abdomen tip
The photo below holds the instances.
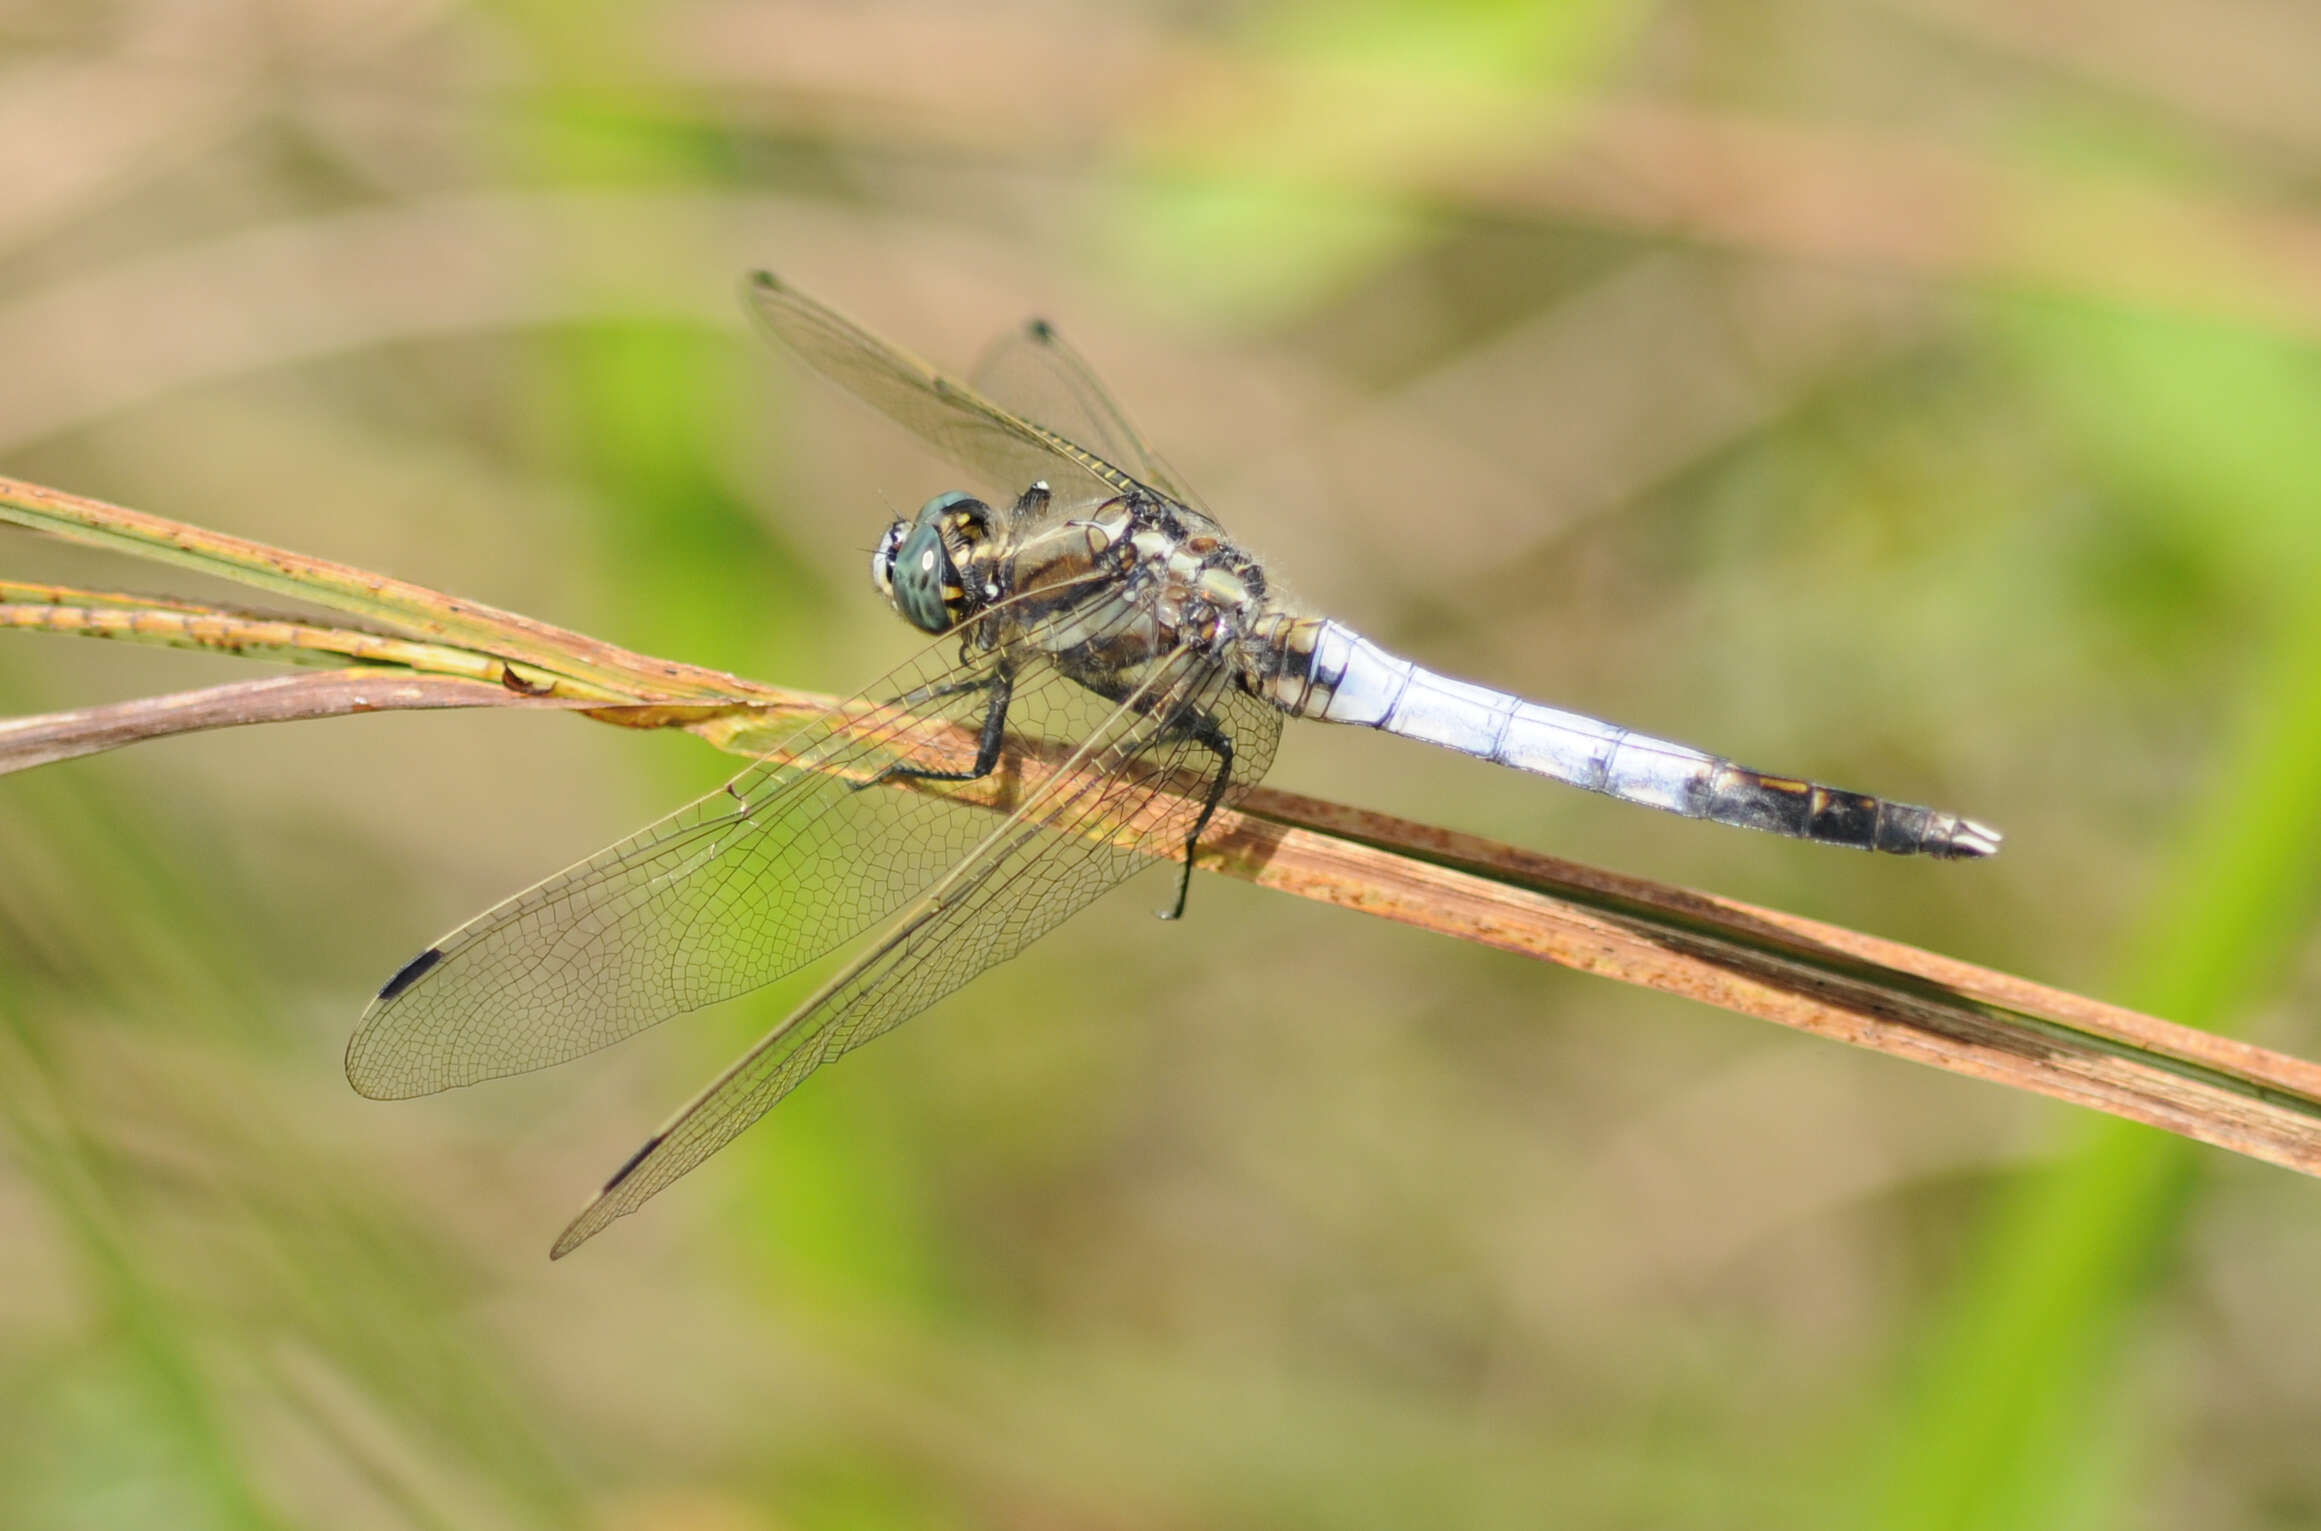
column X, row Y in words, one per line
column 1909, row 830
column 411, row 972
column 1969, row 840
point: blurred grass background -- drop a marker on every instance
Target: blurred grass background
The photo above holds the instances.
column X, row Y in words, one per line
column 1919, row 393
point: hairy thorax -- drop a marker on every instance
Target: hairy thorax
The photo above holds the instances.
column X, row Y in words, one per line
column 1134, row 583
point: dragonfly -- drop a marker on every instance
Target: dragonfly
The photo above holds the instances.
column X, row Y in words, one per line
column 1108, row 673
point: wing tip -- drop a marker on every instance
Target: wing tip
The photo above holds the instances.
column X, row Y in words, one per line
column 368, row 1082
column 593, row 1217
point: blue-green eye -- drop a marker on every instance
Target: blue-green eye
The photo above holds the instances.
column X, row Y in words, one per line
column 914, row 568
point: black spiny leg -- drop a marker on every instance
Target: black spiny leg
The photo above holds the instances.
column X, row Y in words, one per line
column 1001, row 686
column 1216, row 741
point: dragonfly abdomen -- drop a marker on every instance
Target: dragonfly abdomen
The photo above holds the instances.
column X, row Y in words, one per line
column 1348, row 679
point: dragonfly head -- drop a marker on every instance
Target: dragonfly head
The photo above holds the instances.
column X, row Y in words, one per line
column 915, row 565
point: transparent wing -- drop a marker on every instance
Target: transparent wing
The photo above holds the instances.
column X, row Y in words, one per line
column 750, row 882
column 1132, row 791
column 1034, row 373
column 1004, row 450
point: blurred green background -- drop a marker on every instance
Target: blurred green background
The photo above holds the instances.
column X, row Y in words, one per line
column 1923, row 394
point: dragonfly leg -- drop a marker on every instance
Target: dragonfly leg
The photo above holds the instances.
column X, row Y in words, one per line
column 1001, row 687
column 1205, row 732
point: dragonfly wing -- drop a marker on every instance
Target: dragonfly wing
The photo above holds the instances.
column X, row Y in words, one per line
column 1004, row 450
column 1132, row 792
column 1033, row 372
column 753, row 880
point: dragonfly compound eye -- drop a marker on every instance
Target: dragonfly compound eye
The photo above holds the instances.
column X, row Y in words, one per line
column 923, row 582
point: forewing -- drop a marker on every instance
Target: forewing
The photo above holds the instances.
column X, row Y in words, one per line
column 1131, row 793
column 750, row 882
column 1007, row 452
column 1032, row 372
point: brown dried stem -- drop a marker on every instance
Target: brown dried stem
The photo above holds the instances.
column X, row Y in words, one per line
column 1824, row 979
